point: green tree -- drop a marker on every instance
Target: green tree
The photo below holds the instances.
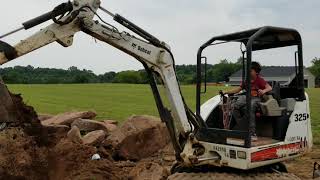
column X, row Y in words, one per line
column 315, row 69
column 186, row 74
column 222, row 71
column 131, row 77
column 107, row 77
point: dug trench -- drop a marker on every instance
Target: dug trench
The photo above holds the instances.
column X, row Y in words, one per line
column 62, row 146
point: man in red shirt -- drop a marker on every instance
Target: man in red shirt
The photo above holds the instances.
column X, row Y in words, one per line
column 259, row 87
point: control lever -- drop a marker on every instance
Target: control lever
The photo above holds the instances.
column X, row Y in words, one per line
column 224, row 98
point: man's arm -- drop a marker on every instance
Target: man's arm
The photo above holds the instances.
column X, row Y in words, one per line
column 267, row 88
column 233, row 91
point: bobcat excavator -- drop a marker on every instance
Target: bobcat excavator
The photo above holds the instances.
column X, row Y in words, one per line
column 201, row 141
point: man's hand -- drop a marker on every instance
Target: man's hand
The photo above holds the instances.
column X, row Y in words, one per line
column 221, row 93
column 264, row 91
column 261, row 92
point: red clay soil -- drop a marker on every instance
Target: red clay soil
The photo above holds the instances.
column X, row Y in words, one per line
column 22, row 158
column 27, row 151
column 68, row 160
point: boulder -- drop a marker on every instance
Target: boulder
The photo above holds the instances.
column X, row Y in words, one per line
column 110, row 127
column 68, row 117
column 87, row 125
column 74, row 135
column 110, row 122
column 57, row 128
column 139, row 137
column 148, row 171
column 43, row 117
column 94, row 138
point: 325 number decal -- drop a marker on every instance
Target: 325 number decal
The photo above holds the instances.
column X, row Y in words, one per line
column 301, row 117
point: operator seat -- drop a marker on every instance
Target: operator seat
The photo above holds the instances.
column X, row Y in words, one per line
column 270, row 102
column 275, row 119
column 275, row 90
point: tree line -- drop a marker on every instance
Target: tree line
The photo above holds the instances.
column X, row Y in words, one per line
column 315, row 69
column 30, row 75
column 186, row 74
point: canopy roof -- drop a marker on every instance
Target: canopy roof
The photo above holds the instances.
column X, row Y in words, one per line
column 264, row 37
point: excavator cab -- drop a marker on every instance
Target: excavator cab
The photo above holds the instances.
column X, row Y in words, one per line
column 282, row 121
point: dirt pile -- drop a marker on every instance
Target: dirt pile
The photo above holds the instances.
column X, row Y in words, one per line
column 37, row 150
column 69, row 160
column 29, row 150
column 21, row 157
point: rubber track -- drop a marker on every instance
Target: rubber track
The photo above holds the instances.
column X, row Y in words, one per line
column 232, row 176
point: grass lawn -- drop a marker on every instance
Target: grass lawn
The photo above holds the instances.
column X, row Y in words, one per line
column 110, row 101
column 119, row 101
column 314, row 96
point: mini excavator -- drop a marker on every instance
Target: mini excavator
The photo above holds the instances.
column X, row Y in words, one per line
column 201, row 138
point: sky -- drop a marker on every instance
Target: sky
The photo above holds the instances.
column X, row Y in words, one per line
column 183, row 24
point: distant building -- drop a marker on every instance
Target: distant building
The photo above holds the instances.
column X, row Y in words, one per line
column 283, row 74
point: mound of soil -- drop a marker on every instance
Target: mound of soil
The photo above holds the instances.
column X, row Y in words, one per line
column 29, row 150
column 68, row 160
column 22, row 158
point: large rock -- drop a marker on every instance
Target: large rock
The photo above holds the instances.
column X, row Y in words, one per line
column 89, row 125
column 111, row 127
column 43, row 117
column 68, row 117
column 148, row 171
column 138, row 137
column 57, row 129
column 110, row 122
column 74, row 135
column 94, row 138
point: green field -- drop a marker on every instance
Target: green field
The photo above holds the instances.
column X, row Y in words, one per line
column 119, row 101
column 110, row 101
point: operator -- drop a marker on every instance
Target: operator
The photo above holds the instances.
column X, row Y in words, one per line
column 259, row 87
